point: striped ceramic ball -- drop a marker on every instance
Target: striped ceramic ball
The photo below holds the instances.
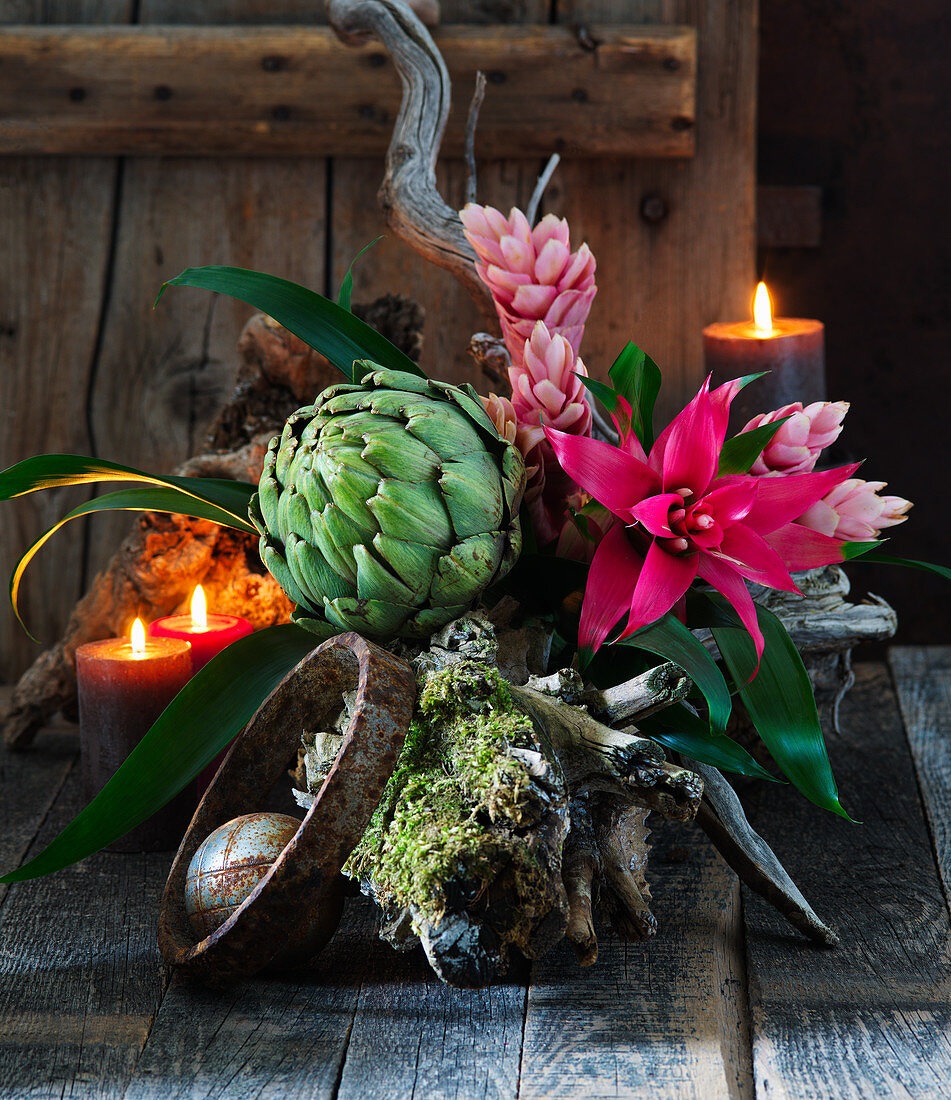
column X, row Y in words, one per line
column 230, row 863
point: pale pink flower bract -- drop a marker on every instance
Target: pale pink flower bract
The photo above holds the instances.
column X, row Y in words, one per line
column 796, row 446
column 855, row 511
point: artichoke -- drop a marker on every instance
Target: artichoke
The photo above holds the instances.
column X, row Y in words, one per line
column 388, row 506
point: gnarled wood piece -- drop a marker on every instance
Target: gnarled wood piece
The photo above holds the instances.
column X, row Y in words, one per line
column 285, row 914
column 722, row 818
column 410, row 199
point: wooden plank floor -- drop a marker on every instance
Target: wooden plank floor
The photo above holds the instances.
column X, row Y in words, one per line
column 727, row 1001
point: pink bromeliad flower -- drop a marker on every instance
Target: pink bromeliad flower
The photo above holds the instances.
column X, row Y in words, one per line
column 532, row 273
column 681, row 521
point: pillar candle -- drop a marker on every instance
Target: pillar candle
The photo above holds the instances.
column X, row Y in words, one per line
column 790, row 348
column 123, row 686
column 207, row 634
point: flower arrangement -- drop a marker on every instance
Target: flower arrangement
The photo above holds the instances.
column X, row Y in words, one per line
column 395, row 504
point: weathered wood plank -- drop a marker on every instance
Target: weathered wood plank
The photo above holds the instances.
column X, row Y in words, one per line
column 675, row 241
column 80, row 973
column 164, row 373
column 873, row 1016
column 56, row 219
column 278, row 1036
column 923, row 684
column 414, row 1036
column 170, row 91
column 665, row 1018
column 29, row 784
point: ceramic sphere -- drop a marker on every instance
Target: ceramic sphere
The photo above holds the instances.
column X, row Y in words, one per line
column 230, row 863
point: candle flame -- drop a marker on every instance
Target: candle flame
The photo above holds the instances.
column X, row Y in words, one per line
column 138, row 639
column 762, row 311
column 199, row 609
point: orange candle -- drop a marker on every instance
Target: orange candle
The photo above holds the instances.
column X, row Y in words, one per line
column 207, row 634
column 123, row 686
column 790, row 348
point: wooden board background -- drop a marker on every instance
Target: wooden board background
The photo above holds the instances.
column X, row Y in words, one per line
column 87, row 366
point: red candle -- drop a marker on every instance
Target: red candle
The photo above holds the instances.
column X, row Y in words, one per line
column 207, row 634
column 790, row 348
column 123, row 686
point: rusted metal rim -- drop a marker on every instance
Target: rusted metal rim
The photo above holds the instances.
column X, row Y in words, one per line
column 278, row 914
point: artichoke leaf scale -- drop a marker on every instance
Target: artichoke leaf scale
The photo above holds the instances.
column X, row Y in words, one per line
column 293, row 514
column 371, row 617
column 445, row 429
column 397, row 454
column 313, row 573
column 275, row 564
column 470, row 566
column 473, row 491
column 413, row 562
column 375, row 581
column 416, row 513
column 335, row 535
column 424, row 622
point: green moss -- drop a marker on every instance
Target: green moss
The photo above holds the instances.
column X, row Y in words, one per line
column 433, row 833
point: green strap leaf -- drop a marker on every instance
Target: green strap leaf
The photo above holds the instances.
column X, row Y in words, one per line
column 346, row 287
column 319, row 322
column 153, row 498
column 670, row 639
column 888, row 559
column 212, row 708
column 636, row 377
column 781, row 704
column 739, row 453
column 57, row 470
column 678, row 728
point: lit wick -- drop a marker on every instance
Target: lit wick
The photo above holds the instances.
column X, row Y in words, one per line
column 199, row 610
column 762, row 311
column 138, row 639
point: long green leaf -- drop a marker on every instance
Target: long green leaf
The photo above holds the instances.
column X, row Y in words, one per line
column 781, row 704
column 888, row 559
column 56, row 470
column 319, row 322
column 152, row 498
column 636, row 377
column 346, row 287
column 670, row 639
column 678, row 728
column 739, row 453
column 212, row 708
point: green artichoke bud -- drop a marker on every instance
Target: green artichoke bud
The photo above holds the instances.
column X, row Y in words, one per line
column 388, row 506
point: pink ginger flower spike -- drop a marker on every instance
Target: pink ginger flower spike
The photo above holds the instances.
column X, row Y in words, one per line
column 546, row 387
column 532, row 273
column 795, row 448
column 855, row 512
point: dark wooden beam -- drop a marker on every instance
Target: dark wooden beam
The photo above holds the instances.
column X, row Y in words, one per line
column 213, row 91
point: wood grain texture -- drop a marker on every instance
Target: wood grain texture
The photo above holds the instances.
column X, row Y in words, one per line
column 80, row 973
column 674, row 242
column 56, row 219
column 414, row 1036
column 163, row 374
column 922, row 678
column 171, row 91
column 29, row 784
column 665, row 1018
column 873, row 1016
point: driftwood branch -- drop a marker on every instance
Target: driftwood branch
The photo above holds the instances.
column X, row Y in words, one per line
column 722, row 818
column 410, row 199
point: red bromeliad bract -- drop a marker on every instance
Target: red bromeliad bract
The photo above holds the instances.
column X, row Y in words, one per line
column 681, row 521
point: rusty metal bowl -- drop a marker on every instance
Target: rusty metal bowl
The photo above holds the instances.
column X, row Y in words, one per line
column 304, row 879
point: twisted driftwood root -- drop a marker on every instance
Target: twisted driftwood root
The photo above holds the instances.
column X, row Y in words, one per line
column 156, row 568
